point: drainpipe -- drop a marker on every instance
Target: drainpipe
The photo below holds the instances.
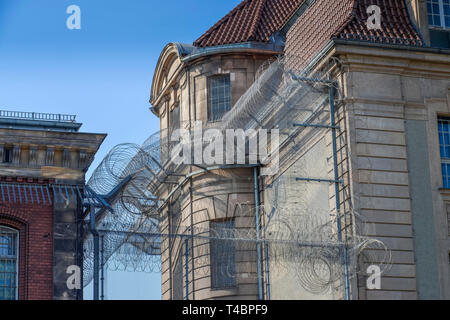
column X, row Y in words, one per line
column 258, row 234
column 191, row 198
column 186, row 262
column 96, row 251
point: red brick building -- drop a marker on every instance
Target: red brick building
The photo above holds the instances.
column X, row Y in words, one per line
column 43, row 161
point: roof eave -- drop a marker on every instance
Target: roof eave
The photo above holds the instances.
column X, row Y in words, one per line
column 244, row 47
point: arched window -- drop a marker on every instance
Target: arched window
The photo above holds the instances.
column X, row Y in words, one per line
column 9, row 252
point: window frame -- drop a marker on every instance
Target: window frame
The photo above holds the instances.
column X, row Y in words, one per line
column 209, row 115
column 443, row 25
column 174, row 125
column 444, row 160
column 16, row 257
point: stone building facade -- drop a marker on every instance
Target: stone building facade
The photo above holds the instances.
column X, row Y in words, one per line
column 211, row 196
column 392, row 112
column 44, row 158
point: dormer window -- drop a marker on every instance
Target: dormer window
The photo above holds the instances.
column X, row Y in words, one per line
column 438, row 13
column 219, row 97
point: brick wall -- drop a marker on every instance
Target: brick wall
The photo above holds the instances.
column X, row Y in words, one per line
column 35, row 225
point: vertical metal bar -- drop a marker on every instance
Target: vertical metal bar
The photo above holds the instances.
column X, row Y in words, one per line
column 14, row 192
column 258, row 235
column 267, row 270
column 43, row 195
column 20, row 193
column 61, row 194
column 73, row 193
column 67, row 194
column 186, row 262
column 55, row 199
column 79, row 193
column 192, row 237
column 9, row 194
column 37, row 195
column 336, row 189
column 48, row 194
column 3, row 193
column 31, row 195
column 96, row 251
column 102, row 269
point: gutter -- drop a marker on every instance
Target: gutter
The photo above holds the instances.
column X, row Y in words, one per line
column 39, row 125
column 391, row 46
column 250, row 47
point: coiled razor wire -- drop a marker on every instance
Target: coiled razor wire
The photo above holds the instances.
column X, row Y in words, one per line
column 299, row 240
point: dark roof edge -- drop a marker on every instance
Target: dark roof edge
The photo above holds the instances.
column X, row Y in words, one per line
column 391, row 46
column 275, row 48
column 40, row 125
column 333, row 42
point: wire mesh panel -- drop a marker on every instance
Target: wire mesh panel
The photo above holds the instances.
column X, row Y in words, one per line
column 8, row 263
column 298, row 220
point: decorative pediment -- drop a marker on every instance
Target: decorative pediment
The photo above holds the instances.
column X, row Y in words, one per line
column 168, row 67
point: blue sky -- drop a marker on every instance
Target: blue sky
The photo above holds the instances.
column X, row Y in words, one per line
column 102, row 73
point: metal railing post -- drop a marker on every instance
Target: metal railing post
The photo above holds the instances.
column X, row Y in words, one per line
column 102, row 268
column 258, row 235
column 96, row 252
column 267, row 270
column 186, row 258
column 336, row 190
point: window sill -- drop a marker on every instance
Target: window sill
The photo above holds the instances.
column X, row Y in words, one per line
column 445, row 193
column 224, row 291
column 439, row 28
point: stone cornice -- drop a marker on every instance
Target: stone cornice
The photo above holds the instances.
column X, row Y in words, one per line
column 59, row 140
column 423, row 62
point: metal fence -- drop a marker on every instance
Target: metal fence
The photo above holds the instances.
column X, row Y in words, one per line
column 37, row 116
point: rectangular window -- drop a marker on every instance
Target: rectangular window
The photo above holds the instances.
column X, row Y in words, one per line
column 8, row 263
column 7, row 154
column 439, row 13
column 175, row 216
column 174, row 119
column 219, row 97
column 222, row 255
column 444, row 143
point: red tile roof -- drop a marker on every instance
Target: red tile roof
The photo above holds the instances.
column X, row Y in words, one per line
column 397, row 27
column 251, row 20
column 347, row 19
